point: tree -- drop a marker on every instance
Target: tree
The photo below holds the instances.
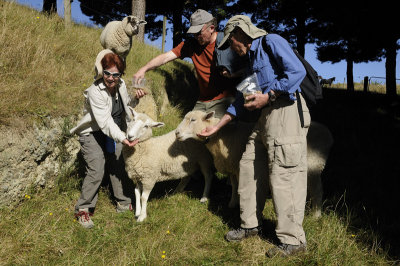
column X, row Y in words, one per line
column 101, row 12
column 49, row 7
column 178, row 13
column 344, row 33
column 139, row 10
column 388, row 33
column 292, row 19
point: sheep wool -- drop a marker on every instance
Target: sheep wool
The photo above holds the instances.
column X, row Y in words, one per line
column 117, row 35
column 156, row 159
column 227, row 148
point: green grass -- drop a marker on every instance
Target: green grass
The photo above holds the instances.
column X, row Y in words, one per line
column 374, row 87
column 44, row 70
column 41, row 230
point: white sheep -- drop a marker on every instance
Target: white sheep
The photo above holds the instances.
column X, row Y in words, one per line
column 156, row 159
column 117, row 35
column 229, row 144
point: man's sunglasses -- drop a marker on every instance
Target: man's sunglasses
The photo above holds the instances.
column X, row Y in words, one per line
column 201, row 31
column 114, row 75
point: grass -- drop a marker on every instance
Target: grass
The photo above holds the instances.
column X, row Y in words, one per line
column 179, row 230
column 374, row 87
column 45, row 68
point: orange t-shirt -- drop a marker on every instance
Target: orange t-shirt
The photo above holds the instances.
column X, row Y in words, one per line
column 212, row 85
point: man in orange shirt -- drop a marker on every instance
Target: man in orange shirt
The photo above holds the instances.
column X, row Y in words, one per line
column 216, row 91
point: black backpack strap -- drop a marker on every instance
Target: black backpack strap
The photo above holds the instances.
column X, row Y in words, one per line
column 299, row 106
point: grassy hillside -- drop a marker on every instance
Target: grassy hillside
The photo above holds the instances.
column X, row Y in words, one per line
column 44, row 67
column 44, row 70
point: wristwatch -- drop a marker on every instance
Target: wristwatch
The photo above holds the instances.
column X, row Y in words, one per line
column 272, row 96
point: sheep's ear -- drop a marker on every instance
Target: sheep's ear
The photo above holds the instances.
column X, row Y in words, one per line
column 142, row 22
column 209, row 115
column 157, row 124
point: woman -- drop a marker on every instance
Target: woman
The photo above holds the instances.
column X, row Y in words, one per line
column 101, row 137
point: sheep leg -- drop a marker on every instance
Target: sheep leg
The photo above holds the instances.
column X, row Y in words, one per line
column 234, row 196
column 315, row 190
column 181, row 186
column 145, row 196
column 138, row 189
column 208, row 173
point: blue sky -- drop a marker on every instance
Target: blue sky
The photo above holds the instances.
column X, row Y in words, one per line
column 326, row 70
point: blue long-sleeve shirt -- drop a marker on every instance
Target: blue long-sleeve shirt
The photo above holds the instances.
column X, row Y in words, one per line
column 283, row 73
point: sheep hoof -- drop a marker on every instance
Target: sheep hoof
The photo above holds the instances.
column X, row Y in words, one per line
column 203, row 200
column 141, row 218
column 316, row 214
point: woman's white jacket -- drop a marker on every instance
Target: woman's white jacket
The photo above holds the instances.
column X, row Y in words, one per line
column 97, row 111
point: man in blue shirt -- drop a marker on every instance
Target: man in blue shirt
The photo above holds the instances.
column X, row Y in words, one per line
column 277, row 135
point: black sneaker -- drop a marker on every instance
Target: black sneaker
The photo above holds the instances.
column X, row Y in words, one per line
column 285, row 250
column 241, row 233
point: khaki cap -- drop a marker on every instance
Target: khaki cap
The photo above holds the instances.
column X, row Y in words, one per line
column 198, row 19
column 245, row 24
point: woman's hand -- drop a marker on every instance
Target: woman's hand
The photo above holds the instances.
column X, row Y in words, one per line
column 140, row 93
column 130, row 143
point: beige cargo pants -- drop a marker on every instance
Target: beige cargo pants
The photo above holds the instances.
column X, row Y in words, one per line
column 276, row 148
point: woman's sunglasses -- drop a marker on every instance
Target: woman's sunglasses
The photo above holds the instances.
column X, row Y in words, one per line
column 114, row 75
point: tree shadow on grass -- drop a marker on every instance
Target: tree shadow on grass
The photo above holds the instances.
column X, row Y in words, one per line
column 362, row 175
column 181, row 85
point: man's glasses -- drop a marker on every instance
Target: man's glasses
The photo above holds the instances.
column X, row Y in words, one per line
column 114, row 75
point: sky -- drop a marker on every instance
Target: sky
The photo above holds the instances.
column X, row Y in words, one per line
column 326, row 70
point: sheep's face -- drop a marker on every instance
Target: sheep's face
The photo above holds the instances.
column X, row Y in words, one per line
column 132, row 24
column 140, row 128
column 193, row 123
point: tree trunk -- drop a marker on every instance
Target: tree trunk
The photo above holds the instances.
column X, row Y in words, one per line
column 49, row 7
column 164, row 33
column 390, row 66
column 139, row 10
column 177, row 25
column 349, row 75
column 67, row 13
column 300, row 34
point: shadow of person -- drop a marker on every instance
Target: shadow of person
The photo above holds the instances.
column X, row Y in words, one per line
column 181, row 85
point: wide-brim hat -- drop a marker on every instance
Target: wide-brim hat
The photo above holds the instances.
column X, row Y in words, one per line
column 198, row 19
column 245, row 24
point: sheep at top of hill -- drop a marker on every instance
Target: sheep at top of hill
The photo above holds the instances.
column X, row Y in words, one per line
column 326, row 81
column 228, row 145
column 161, row 158
column 117, row 35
